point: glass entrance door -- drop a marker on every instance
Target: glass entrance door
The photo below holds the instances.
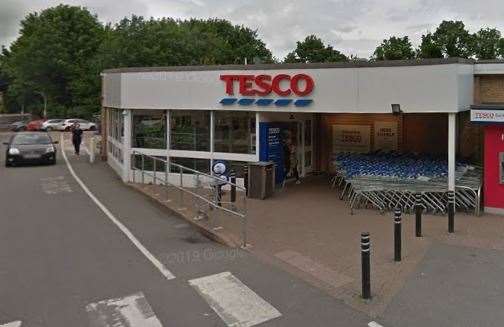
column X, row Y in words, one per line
column 307, row 147
column 293, row 149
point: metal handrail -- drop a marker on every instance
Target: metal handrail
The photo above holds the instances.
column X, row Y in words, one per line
column 216, row 203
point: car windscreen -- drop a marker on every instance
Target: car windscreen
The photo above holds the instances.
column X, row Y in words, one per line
column 53, row 121
column 26, row 139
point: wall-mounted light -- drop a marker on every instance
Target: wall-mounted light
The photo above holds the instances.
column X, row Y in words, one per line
column 291, row 117
column 396, row 109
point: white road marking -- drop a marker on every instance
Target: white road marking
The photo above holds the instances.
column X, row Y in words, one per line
column 164, row 271
column 317, row 270
column 12, row 324
column 234, row 302
column 129, row 311
column 374, row 324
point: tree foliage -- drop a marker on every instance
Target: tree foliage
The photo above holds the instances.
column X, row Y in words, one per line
column 429, row 48
column 62, row 50
column 313, row 50
column 394, row 48
column 486, row 43
column 52, row 53
column 454, row 39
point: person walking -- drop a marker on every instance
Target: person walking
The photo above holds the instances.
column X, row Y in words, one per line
column 76, row 138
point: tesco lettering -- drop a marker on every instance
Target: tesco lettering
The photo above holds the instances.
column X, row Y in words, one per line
column 281, row 84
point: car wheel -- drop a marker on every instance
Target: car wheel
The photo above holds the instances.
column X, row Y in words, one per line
column 21, row 129
column 7, row 164
column 92, row 128
column 67, row 129
column 49, row 129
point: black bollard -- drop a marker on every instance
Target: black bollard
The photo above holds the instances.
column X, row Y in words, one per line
column 366, row 265
column 397, row 234
column 451, row 211
column 418, row 214
column 232, row 179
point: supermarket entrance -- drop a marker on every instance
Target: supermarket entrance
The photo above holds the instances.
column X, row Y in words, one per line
column 287, row 140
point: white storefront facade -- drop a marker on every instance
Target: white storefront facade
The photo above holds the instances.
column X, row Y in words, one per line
column 195, row 115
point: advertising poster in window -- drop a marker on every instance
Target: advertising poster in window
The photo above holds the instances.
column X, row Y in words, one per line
column 271, row 148
column 351, row 138
column 385, row 136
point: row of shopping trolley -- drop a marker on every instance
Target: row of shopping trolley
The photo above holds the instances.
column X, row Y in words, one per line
column 389, row 192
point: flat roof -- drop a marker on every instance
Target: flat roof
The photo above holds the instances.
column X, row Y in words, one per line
column 349, row 64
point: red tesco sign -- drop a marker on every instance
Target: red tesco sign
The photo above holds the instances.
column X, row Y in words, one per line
column 250, row 85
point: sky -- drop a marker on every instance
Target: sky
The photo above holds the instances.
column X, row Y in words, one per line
column 351, row 26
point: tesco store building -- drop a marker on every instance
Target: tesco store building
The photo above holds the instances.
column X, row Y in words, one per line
column 241, row 113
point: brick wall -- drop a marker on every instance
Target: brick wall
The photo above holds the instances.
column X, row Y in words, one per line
column 491, row 89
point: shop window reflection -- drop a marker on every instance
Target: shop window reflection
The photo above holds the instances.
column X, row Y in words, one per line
column 235, row 132
column 149, row 130
column 190, row 130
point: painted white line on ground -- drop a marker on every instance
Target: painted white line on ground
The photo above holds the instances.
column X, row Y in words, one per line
column 374, row 324
column 129, row 311
column 12, row 324
column 234, row 302
column 166, row 273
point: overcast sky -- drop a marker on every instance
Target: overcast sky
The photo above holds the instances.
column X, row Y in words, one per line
column 351, row 26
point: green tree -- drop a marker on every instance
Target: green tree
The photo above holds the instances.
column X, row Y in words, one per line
column 429, row 48
column 454, row 39
column 54, row 50
column 486, row 43
column 395, row 48
column 167, row 42
column 313, row 50
column 500, row 48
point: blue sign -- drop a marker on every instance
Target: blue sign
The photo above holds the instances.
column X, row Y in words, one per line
column 271, row 148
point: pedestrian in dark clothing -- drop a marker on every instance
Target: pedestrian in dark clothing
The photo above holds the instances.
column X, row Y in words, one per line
column 76, row 138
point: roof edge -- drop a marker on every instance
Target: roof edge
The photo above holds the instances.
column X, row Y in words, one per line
column 351, row 64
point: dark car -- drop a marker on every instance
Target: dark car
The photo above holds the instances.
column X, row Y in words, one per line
column 34, row 147
column 18, row 126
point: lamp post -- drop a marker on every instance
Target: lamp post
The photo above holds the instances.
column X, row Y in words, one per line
column 45, row 102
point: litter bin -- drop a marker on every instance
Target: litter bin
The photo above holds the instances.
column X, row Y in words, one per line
column 261, row 180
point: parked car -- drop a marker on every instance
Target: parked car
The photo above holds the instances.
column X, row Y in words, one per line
column 52, row 124
column 34, row 125
column 30, row 147
column 18, row 126
column 84, row 125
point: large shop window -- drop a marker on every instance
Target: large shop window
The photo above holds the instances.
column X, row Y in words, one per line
column 201, row 165
column 235, row 132
column 116, row 125
column 190, row 130
column 149, row 130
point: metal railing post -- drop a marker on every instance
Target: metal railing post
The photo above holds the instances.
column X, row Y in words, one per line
column 154, row 168
column 244, row 231
column 181, row 185
column 167, row 167
column 133, row 165
column 143, row 167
